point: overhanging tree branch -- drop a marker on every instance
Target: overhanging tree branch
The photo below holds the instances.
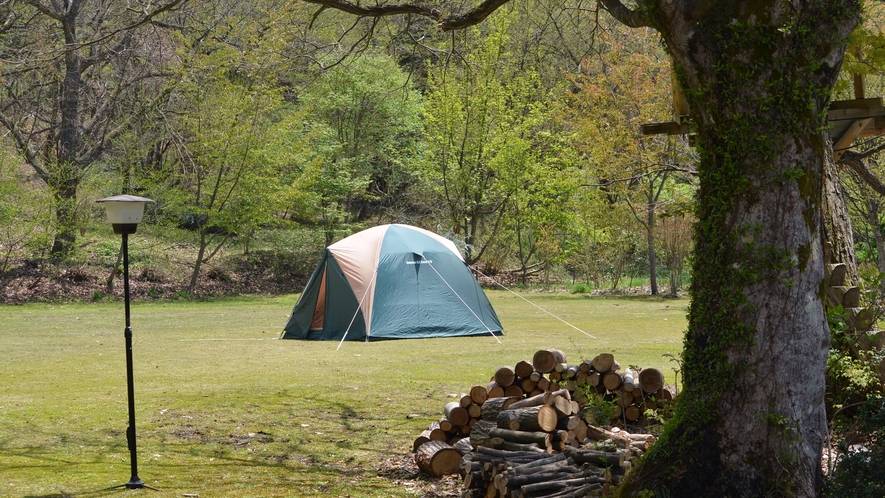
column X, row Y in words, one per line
column 632, row 18
column 445, row 22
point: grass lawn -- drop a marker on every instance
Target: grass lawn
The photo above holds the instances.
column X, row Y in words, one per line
column 225, row 409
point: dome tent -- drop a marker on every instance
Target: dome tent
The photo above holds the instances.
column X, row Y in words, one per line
column 391, row 282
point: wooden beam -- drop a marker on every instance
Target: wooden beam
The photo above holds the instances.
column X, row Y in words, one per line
column 668, row 128
column 858, row 86
column 850, row 135
column 856, row 103
column 856, row 113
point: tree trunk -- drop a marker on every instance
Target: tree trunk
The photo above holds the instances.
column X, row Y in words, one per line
column 199, row 261
column 66, row 170
column 650, row 237
column 758, row 78
column 839, row 241
column 65, row 199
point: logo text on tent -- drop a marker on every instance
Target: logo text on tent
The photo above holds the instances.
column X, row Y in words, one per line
column 422, row 262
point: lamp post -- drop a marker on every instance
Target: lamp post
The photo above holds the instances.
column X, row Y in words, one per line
column 125, row 212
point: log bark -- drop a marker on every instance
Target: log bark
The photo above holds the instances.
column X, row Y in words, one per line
column 603, row 458
column 535, row 418
column 492, row 407
column 456, row 414
column 541, row 438
column 432, row 433
column 479, row 434
column 537, row 400
column 438, row 458
column 627, row 380
column 507, row 419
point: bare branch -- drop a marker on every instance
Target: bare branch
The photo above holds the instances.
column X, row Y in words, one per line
column 23, row 144
column 473, row 16
column 664, row 168
column 378, row 10
column 632, row 18
column 855, row 161
column 446, row 23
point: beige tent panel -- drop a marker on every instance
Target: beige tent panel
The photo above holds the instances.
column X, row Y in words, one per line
column 357, row 256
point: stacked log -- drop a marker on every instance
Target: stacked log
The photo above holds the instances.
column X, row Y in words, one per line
column 535, row 410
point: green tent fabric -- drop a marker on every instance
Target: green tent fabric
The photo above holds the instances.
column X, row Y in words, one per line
column 391, row 282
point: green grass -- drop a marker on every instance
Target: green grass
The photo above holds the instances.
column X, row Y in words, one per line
column 224, row 409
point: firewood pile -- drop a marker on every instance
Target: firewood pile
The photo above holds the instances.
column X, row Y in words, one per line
column 526, row 433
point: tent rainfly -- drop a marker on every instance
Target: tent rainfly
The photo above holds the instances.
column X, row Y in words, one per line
column 391, row 282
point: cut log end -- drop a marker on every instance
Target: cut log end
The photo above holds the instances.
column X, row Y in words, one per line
column 438, row 458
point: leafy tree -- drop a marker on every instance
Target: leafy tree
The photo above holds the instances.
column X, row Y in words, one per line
column 324, row 187
column 488, row 138
column 620, row 89
column 217, row 179
column 369, row 105
column 674, row 244
column 23, row 213
column 69, row 66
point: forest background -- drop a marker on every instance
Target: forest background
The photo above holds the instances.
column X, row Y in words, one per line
column 265, row 132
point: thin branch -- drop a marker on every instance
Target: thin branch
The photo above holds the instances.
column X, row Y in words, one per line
column 667, row 168
column 854, row 161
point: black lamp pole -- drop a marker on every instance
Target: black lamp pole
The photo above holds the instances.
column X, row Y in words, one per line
column 124, row 212
column 134, row 481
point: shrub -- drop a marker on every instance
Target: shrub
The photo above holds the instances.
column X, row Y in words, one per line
column 860, row 472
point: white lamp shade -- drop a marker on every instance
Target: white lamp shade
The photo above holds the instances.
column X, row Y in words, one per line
column 124, row 209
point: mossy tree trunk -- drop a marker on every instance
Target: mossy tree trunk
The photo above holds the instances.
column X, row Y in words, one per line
column 758, row 76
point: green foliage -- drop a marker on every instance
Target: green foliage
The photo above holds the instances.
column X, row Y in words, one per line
column 860, row 471
column 495, row 161
column 24, row 215
column 598, row 410
column 852, row 371
column 581, row 289
column 373, row 117
column 617, row 92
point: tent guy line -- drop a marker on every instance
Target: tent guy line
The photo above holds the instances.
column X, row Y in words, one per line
column 357, row 311
column 459, row 298
column 533, row 304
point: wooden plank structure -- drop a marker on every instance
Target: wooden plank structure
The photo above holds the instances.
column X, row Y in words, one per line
column 848, row 119
column 853, row 119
